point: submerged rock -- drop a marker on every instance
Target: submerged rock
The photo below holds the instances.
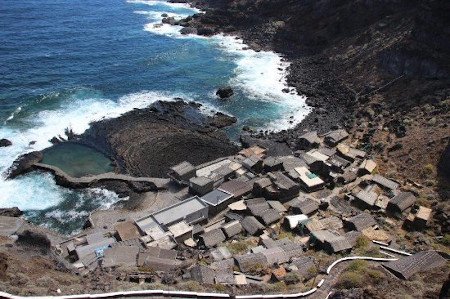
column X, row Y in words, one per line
column 225, row 92
column 5, row 142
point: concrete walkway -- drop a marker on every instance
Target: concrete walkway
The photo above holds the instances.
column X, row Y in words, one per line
column 64, row 179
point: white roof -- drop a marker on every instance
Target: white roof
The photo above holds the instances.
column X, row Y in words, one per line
column 317, row 155
column 307, row 177
column 206, row 171
column 295, row 220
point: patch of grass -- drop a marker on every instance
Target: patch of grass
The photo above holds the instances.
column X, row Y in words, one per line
column 349, row 280
column 429, row 169
column 446, row 240
column 192, row 286
column 239, row 247
column 146, row 269
column 278, row 287
column 358, row 274
column 220, row 288
column 358, row 265
column 362, row 242
column 291, row 278
column 285, row 234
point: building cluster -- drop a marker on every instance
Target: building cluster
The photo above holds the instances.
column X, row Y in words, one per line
column 255, row 218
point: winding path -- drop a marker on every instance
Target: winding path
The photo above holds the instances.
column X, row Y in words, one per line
column 182, row 294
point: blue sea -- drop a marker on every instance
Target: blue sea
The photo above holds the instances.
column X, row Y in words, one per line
column 67, row 63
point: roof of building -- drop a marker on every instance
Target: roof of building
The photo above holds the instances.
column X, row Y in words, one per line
column 311, row 137
column 352, row 236
column 183, row 168
column 304, row 264
column 368, row 165
column 157, row 252
column 179, row 210
column 423, row 213
column 384, row 182
column 282, row 181
column 367, row 197
column 275, row 255
column 251, row 225
column 275, row 204
column 127, row 230
column 224, row 276
column 323, row 235
column 314, row 224
column 270, row 216
column 308, row 178
column 295, row 220
column 421, row 261
column 232, row 228
column 93, row 248
column 237, row 188
column 203, row 274
column 361, row 221
column 216, row 197
column 332, row 222
column 200, row 181
column 336, row 136
column 253, row 151
column 317, row 155
column 249, row 262
column 120, row 256
column 339, row 243
column 402, row 201
column 221, row 253
column 206, row 171
column 304, row 205
column 213, row 237
column 223, row 264
column 179, row 229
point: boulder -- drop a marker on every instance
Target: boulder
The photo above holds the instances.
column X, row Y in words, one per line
column 169, row 20
column 225, row 92
column 221, row 120
column 188, row 30
column 24, row 163
column 11, row 212
column 5, row 142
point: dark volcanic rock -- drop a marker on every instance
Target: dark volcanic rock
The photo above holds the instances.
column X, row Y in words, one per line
column 225, row 92
column 221, row 120
column 147, row 142
column 188, row 30
column 24, row 164
column 34, row 238
column 5, row 142
column 444, row 162
column 11, row 212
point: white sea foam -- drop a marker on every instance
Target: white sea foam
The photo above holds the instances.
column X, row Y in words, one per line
column 260, row 75
column 39, row 191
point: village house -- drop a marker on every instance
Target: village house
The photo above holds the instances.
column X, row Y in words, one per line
column 182, row 172
column 332, row 138
column 401, row 202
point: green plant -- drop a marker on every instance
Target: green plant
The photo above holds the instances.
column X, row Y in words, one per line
column 238, row 247
column 429, row 169
column 357, row 266
column 362, row 242
column 291, row 278
column 350, row 280
column 446, row 240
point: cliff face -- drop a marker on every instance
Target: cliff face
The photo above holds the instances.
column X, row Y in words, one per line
column 380, row 68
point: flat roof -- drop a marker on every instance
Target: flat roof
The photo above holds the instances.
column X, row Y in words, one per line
column 308, row 177
column 179, row 210
column 216, row 197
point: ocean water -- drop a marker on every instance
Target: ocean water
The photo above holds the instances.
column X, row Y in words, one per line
column 67, row 63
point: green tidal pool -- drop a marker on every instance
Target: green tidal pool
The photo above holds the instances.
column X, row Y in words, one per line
column 77, row 160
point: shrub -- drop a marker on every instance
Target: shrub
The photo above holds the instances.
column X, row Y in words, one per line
column 238, row 247
column 219, row 288
column 358, row 265
column 291, row 278
column 349, row 280
column 429, row 169
column 446, row 240
column 362, row 242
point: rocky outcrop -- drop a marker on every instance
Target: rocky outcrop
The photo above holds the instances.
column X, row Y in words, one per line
column 188, row 30
column 147, row 142
column 24, row 164
column 5, row 142
column 225, row 92
column 34, row 238
column 444, row 162
column 11, row 212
